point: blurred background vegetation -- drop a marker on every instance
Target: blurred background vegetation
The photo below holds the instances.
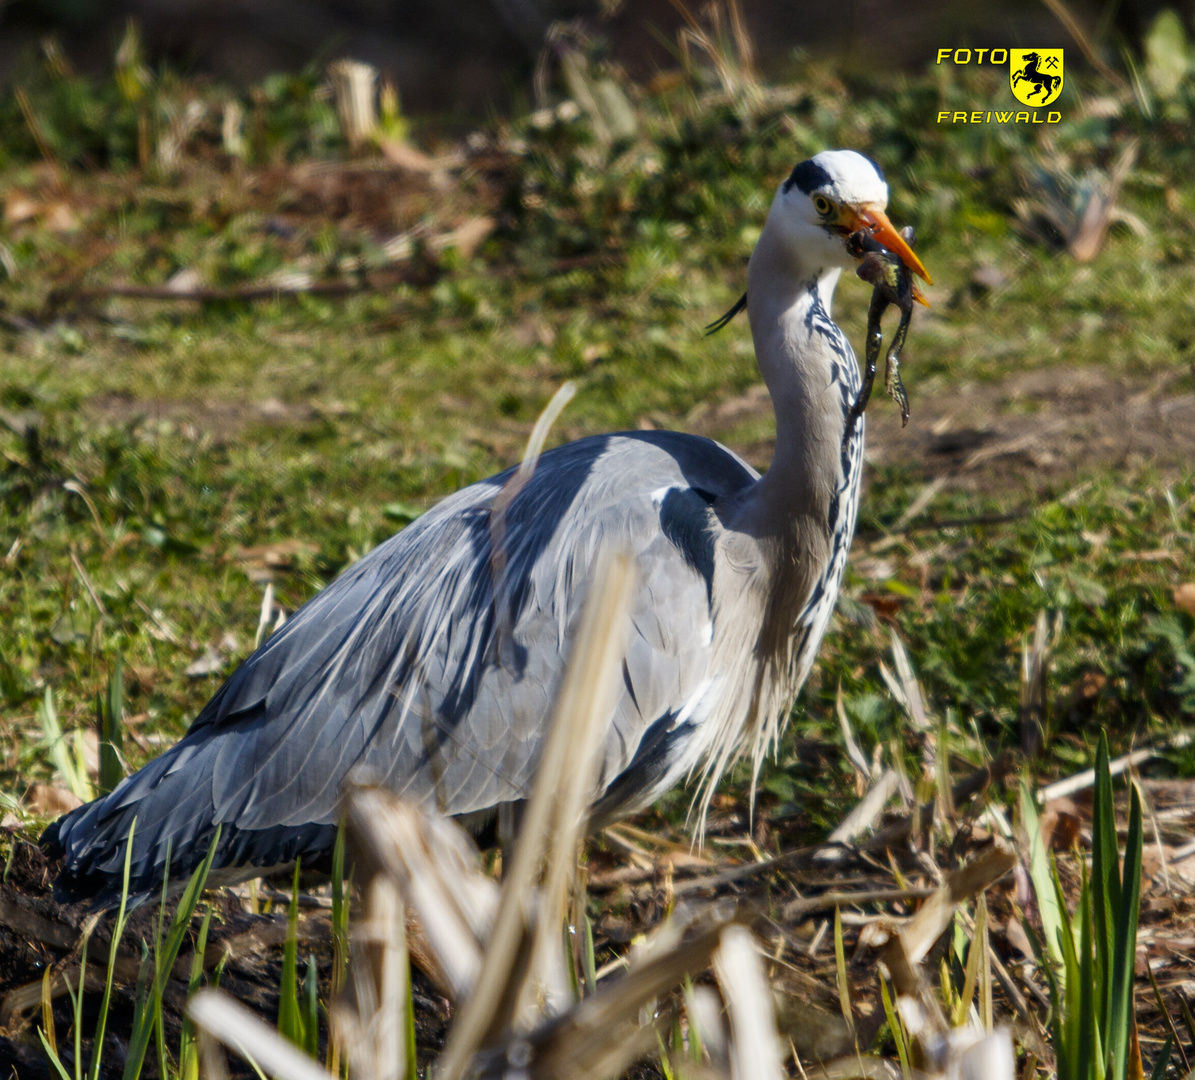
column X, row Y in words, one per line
column 460, row 59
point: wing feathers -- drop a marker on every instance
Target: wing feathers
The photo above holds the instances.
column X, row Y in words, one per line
column 392, row 673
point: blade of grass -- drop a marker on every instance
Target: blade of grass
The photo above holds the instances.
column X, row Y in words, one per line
column 1043, row 882
column 47, row 1010
column 1105, row 879
column 588, row 960
column 155, row 1001
column 113, row 947
column 1174, row 1037
column 665, row 1059
column 77, row 1000
column 1163, row 1062
column 1071, row 988
column 896, row 1027
column 844, row 989
column 676, row 1042
column 1063, row 1061
column 147, row 1023
column 340, row 943
column 569, row 949
column 59, row 752
column 409, row 1045
column 188, row 1054
column 290, row 1020
column 696, row 1052
column 947, row 980
column 1125, row 946
column 1087, row 1042
column 78, row 745
column 110, row 714
column 985, row 963
column 971, row 972
column 52, row 1054
column 311, row 1009
column 139, row 1039
column 75, row 1005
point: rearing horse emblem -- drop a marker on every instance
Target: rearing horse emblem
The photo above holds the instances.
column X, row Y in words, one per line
column 1035, row 75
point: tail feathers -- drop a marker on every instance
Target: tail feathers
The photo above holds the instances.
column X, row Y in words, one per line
column 170, row 801
column 240, row 854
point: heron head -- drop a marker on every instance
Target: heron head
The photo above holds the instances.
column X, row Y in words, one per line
column 831, row 196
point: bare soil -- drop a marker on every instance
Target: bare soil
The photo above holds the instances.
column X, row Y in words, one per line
column 40, row 935
column 1031, row 430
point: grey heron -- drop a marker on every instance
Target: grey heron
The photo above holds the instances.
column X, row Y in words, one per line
column 395, row 671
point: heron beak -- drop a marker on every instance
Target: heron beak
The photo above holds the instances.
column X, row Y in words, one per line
column 876, row 222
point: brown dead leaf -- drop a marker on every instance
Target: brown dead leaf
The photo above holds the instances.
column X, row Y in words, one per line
column 262, row 561
column 57, row 217
column 1151, row 861
column 1135, row 1070
column 1185, row 866
column 886, row 605
column 665, row 81
column 60, row 218
column 1060, row 823
column 1091, row 684
column 1184, row 597
column 19, row 208
column 1018, row 939
column 50, row 801
column 467, row 238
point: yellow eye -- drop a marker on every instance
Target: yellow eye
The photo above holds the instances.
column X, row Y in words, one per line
column 822, row 205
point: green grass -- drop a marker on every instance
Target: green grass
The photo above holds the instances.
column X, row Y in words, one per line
column 1089, row 955
column 156, row 441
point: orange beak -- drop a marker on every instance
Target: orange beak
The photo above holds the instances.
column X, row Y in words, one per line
column 877, row 223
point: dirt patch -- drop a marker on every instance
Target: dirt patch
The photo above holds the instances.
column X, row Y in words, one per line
column 38, row 935
column 1033, row 429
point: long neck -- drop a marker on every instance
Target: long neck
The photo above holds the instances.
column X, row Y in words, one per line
column 812, row 377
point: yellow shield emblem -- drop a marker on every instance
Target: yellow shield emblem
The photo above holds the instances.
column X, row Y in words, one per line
column 1035, row 75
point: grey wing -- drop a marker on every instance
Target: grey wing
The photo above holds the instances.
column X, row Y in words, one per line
column 394, row 674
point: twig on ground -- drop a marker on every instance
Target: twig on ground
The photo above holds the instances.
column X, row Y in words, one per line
column 1085, row 779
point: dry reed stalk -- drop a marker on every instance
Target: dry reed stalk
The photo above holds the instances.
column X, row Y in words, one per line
column 435, row 866
column 354, row 85
column 1034, row 662
column 500, row 953
column 220, row 1017
column 944, row 1051
column 369, row 1015
column 554, row 818
column 754, row 1044
column 502, row 501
